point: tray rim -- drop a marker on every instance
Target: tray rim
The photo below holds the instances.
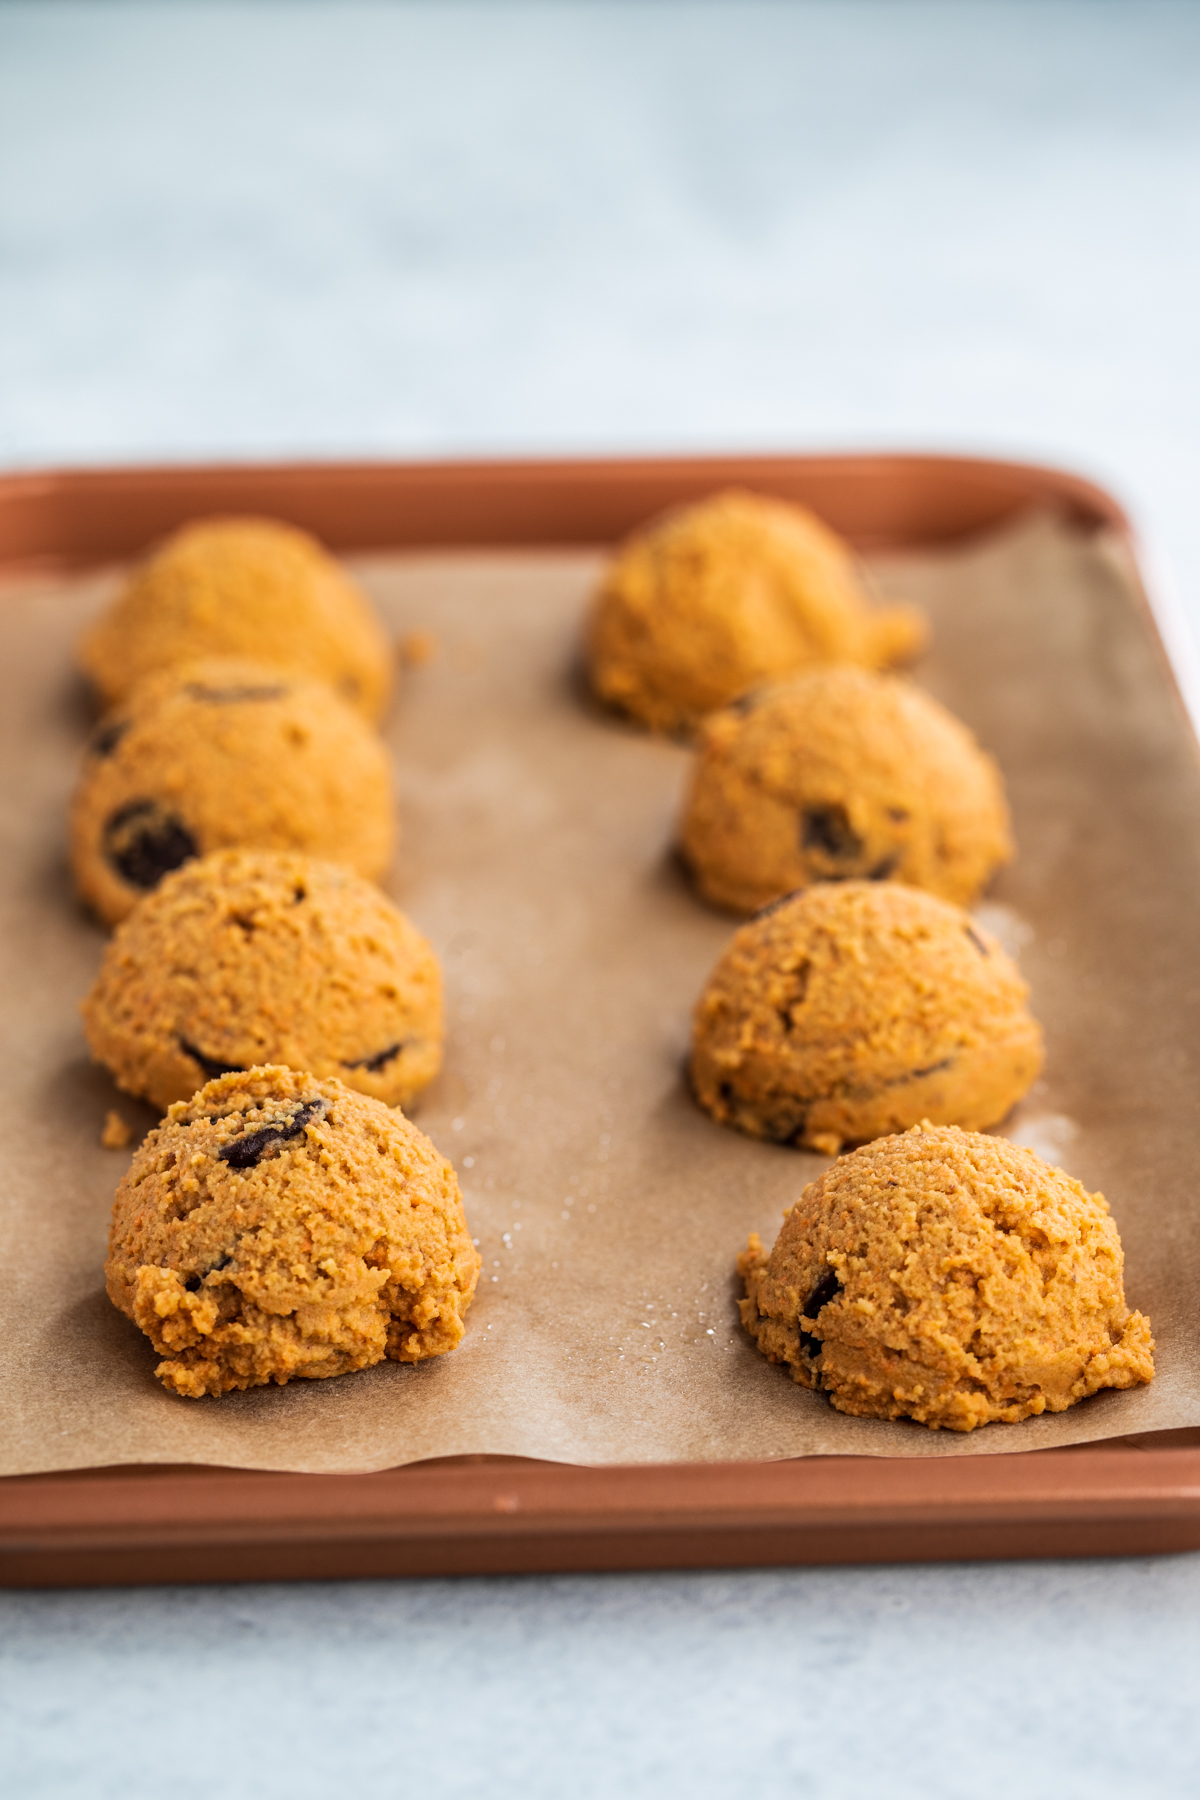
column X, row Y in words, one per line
column 152, row 1523
column 56, row 516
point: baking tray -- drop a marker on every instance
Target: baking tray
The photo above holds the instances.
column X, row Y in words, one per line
column 470, row 1515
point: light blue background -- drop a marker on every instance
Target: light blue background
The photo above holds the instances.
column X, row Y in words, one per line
column 323, row 228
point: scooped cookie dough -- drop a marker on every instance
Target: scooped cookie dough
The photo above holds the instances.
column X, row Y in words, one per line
column 856, row 1009
column 222, row 753
column 242, row 587
column 840, row 772
column 277, row 1226
column 949, row 1278
column 710, row 600
column 261, row 956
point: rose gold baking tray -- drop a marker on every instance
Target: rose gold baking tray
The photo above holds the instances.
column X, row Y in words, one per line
column 504, row 1515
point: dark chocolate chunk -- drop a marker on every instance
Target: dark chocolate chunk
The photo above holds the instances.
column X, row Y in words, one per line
column 143, row 842
column 947, row 1062
column 828, row 828
column 977, row 941
column 884, row 870
column 744, row 703
column 210, row 1064
column 787, row 1126
column 232, row 696
column 898, row 813
column 380, row 1060
column 194, row 1282
column 827, row 1286
column 797, row 992
column 773, row 906
column 108, row 736
column 245, row 1151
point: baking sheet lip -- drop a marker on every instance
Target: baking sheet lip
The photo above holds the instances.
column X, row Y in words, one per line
column 496, row 1509
column 1087, row 499
column 866, row 459
column 435, row 1529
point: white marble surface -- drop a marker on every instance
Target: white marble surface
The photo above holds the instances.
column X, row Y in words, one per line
column 1058, row 1681
column 314, row 228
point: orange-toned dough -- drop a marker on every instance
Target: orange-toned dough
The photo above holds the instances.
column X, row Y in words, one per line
column 707, row 601
column 276, row 1226
column 856, row 1009
column 242, row 587
column 949, row 1278
column 841, row 772
column 225, row 753
column 265, row 956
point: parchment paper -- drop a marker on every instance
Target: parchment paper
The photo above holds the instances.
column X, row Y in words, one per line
column 536, row 854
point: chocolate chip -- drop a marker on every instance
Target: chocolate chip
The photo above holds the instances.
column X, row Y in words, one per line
column 977, row 941
column 828, row 1285
column 380, row 1060
column 210, row 1065
column 828, row 829
column 773, row 906
column 744, row 703
column 245, row 1151
column 232, row 696
column 143, row 842
column 884, row 870
column 797, row 993
column 787, row 1127
column 194, row 1282
column 108, row 736
column 936, row 1068
column 897, row 813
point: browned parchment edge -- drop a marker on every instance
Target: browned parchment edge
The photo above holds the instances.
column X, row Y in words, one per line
column 145, row 1523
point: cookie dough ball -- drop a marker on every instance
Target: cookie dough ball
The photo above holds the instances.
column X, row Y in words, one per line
column 713, row 599
column 841, row 772
column 277, row 1226
column 222, row 753
column 949, row 1278
column 856, row 1009
column 263, row 956
column 242, row 587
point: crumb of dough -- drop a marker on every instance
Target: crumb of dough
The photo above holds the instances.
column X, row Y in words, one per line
column 949, row 1278
column 707, row 601
column 115, row 1133
column 856, row 1008
column 418, row 648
